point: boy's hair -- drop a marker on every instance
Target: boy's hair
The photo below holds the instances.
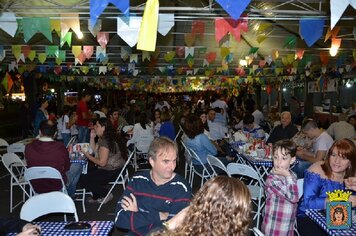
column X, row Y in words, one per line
column 286, row 145
column 248, row 119
column 309, row 124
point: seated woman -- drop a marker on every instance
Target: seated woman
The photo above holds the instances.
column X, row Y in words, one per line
column 156, row 122
column 221, row 207
column 199, row 142
column 167, row 127
column 111, row 154
column 142, row 134
column 326, row 176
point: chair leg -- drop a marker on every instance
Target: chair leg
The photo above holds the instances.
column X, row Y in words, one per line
column 11, row 193
column 83, row 200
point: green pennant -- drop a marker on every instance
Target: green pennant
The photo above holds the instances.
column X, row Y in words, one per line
column 59, row 61
column 32, row 25
column 16, row 50
column 290, row 42
column 62, row 55
column 32, row 55
column 67, row 39
column 253, row 50
column 42, row 57
column 52, row 51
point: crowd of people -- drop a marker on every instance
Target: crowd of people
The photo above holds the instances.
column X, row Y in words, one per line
column 160, row 201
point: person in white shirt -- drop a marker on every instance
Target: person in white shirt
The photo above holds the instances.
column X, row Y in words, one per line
column 341, row 129
column 142, row 134
column 161, row 103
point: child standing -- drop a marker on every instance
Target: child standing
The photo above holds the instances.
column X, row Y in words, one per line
column 281, row 191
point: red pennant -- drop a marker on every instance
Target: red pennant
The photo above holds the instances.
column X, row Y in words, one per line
column 269, row 89
column 300, row 53
column 81, row 58
column 324, row 57
column 26, row 49
column 224, row 26
column 58, row 70
column 210, row 57
column 198, row 27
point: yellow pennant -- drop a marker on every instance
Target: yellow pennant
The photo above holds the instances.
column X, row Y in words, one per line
column 16, row 50
column 42, row 57
column 148, row 31
column 76, row 50
column 31, row 55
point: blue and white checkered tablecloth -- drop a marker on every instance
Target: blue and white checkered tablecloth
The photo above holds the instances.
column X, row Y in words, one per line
column 99, row 228
column 320, row 220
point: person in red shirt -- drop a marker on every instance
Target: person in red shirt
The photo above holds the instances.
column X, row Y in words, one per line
column 84, row 117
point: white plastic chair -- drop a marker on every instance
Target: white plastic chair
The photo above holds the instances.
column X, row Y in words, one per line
column 256, row 191
column 46, row 203
column 215, row 162
column 3, row 147
column 121, row 179
column 188, row 162
column 205, row 175
column 15, row 167
column 257, row 232
column 71, row 141
column 179, row 132
column 18, row 148
column 43, row 172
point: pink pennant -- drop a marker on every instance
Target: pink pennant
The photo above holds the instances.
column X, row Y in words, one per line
column 26, row 49
column 88, row 51
column 224, row 26
column 81, row 57
column 103, row 39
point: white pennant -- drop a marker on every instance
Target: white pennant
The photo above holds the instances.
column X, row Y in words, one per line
column 125, row 52
column 162, row 69
column 100, row 50
column 129, row 31
column 348, row 68
column 337, row 8
column 135, row 72
column 268, row 59
column 12, row 66
column 323, row 69
column 205, row 63
column 21, row 57
column 76, row 61
column 165, row 23
column 131, row 67
column 8, row 23
column 189, row 72
column 3, row 55
column 103, row 69
column 189, row 51
column 196, row 71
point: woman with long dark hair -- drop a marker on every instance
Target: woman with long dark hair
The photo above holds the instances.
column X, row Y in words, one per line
column 109, row 157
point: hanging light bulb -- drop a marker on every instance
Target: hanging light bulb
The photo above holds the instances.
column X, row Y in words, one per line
column 333, row 51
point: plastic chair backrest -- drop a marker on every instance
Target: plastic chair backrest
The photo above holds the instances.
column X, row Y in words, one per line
column 9, row 159
column 16, row 148
column 257, row 232
column 300, row 183
column 187, row 153
column 46, row 203
column 3, row 143
column 240, row 169
column 71, row 141
column 43, row 172
column 214, row 161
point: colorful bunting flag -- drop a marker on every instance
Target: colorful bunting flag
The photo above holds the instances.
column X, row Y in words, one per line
column 98, row 6
column 25, row 50
column 102, row 38
column 70, row 21
column 224, row 26
column 8, row 23
column 165, row 23
column 7, row 82
column 234, row 8
column 88, row 51
column 331, row 33
column 337, row 8
column 76, row 50
column 189, row 39
column 198, row 27
column 66, row 39
column 311, row 29
column 32, row 25
column 56, row 26
column 148, row 31
column 129, row 31
column 31, row 55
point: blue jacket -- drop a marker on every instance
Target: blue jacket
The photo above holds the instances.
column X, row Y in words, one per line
column 151, row 199
column 202, row 146
column 167, row 130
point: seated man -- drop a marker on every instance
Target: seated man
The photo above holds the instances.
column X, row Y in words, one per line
column 250, row 127
column 341, row 129
column 47, row 152
column 154, row 196
column 286, row 130
column 322, row 142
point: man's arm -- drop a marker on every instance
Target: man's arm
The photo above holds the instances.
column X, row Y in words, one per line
column 312, row 158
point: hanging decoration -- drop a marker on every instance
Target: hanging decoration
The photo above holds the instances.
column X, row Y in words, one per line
column 7, row 82
column 67, row 38
column 102, row 38
column 94, row 29
column 88, row 51
column 234, row 8
column 165, row 23
column 337, row 8
column 70, row 21
column 98, row 6
column 129, row 31
column 290, row 42
column 198, row 28
column 56, row 26
column 32, row 25
column 311, row 29
column 2, row 53
column 148, row 31
column 331, row 33
column 31, row 55
column 189, row 51
column 189, row 39
column 299, row 54
column 8, row 23
column 235, row 27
